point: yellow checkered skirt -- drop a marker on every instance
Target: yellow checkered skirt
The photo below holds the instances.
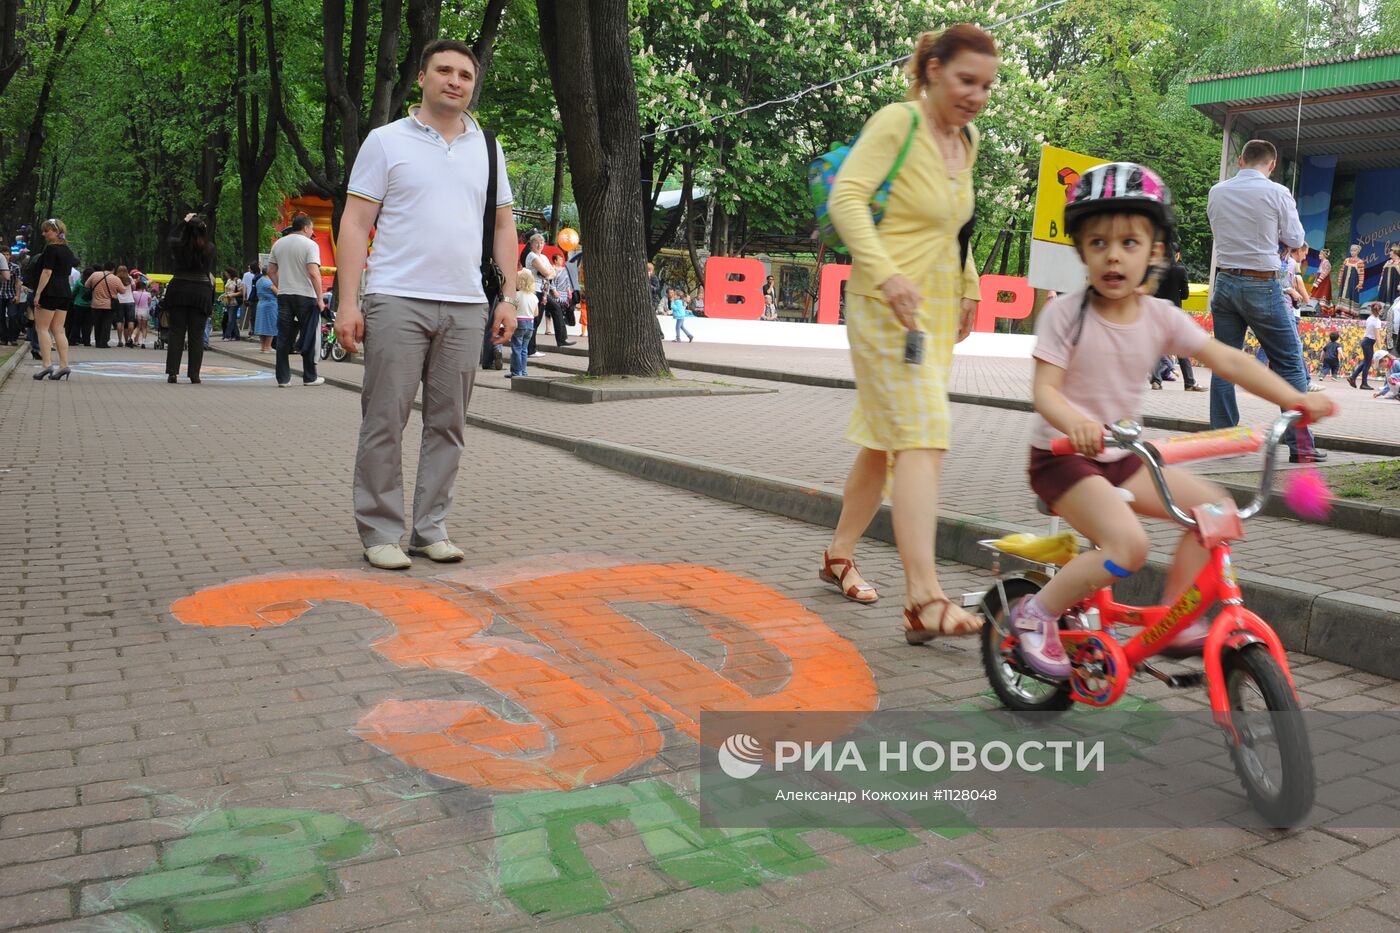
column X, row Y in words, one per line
column 901, row 406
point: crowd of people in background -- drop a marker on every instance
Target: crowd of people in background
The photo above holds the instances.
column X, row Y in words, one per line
column 113, row 305
column 282, row 308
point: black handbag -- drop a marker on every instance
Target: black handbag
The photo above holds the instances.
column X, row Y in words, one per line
column 491, row 275
column 490, row 272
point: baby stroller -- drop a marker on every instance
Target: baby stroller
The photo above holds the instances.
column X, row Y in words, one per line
column 161, row 324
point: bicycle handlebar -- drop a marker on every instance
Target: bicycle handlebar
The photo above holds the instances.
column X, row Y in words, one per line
column 1127, row 435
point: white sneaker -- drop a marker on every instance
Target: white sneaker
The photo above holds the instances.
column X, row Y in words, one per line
column 283, row 385
column 318, row 381
column 535, row 354
column 387, row 557
column 443, row 552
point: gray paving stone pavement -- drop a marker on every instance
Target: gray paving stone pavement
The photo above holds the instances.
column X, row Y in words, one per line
column 213, row 715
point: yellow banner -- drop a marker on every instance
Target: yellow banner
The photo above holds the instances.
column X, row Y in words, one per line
column 1059, row 170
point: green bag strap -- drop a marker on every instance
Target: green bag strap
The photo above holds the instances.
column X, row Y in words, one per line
column 904, row 150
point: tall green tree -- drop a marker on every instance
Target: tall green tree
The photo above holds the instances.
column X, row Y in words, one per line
column 588, row 49
column 256, row 114
column 55, row 30
column 367, row 69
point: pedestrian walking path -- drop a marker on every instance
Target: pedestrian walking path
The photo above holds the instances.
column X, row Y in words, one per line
column 798, row 432
column 1360, row 416
column 214, row 716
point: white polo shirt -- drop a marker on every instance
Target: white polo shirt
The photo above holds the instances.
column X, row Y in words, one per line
column 432, row 196
column 291, row 255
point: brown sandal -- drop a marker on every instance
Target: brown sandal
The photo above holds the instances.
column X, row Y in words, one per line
column 829, row 574
column 916, row 634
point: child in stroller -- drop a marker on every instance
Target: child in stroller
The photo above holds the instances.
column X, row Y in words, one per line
column 158, row 318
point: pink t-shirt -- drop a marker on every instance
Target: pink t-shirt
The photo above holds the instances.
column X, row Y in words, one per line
column 1105, row 374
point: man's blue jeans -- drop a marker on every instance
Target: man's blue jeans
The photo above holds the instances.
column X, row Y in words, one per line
column 1238, row 302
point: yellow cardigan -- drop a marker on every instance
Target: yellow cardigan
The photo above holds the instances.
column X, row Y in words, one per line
column 917, row 225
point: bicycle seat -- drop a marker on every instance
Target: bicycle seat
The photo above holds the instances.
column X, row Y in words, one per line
column 1043, row 507
column 1057, row 549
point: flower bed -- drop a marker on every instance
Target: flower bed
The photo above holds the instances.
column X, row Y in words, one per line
column 1314, row 332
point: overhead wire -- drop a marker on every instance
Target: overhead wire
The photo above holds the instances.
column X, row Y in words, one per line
column 1302, row 76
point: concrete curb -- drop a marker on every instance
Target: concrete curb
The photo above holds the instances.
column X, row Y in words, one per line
column 1345, row 516
column 10, row 365
column 1334, row 625
column 559, row 389
column 1356, row 445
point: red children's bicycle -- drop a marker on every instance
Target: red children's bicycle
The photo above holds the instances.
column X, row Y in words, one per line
column 1245, row 668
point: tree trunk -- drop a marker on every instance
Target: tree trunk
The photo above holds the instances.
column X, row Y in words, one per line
column 10, row 57
column 18, row 194
column 345, row 121
column 485, row 44
column 556, row 202
column 586, row 45
column 209, row 178
column 257, row 132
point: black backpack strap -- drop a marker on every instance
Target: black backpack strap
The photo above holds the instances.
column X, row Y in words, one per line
column 965, row 234
column 490, row 273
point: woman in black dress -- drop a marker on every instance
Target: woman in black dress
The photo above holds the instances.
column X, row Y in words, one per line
column 189, row 298
column 53, row 297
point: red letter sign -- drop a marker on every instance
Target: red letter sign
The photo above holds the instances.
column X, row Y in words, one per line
column 728, row 278
column 829, row 296
column 990, row 308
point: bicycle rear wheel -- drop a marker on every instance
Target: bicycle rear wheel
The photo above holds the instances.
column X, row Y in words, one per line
column 338, row 353
column 1273, row 757
column 1017, row 687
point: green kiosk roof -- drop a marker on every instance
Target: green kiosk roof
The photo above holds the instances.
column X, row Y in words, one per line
column 1350, row 107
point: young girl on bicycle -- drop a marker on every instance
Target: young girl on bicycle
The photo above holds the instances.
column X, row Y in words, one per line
column 1091, row 350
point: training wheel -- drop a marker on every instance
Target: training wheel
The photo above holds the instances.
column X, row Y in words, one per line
column 1100, row 670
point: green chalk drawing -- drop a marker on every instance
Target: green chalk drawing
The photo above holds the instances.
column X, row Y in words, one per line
column 239, row 865
column 543, row 868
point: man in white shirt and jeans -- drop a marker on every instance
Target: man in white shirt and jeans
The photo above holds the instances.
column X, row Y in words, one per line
column 1249, row 217
column 295, row 270
column 421, row 183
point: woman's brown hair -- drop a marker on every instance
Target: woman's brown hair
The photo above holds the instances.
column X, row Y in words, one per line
column 945, row 47
column 123, row 274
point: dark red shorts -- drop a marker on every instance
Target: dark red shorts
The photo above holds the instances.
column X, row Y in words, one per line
column 1052, row 476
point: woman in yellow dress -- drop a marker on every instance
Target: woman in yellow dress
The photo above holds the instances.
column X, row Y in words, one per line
column 907, row 277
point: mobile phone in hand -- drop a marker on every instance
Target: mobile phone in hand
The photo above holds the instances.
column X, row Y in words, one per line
column 914, row 347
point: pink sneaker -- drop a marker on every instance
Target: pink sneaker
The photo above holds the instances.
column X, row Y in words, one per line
column 1040, row 643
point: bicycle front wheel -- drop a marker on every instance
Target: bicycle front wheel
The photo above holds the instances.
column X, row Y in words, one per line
column 1273, row 757
column 338, row 353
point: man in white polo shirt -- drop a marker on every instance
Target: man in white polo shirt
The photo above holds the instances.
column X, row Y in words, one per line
column 295, row 270
column 421, row 183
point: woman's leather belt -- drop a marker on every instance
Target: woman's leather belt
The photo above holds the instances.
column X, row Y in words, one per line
column 1251, row 273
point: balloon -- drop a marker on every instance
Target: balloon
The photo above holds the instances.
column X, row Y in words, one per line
column 567, row 240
